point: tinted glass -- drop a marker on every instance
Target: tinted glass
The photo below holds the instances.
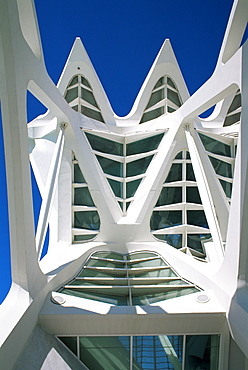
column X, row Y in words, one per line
column 155, row 113
column 131, row 187
column 111, row 167
column 144, row 145
column 175, row 173
column 138, row 167
column 164, row 219
column 82, row 197
column 78, row 176
column 170, row 195
column 192, row 195
column 221, row 168
column 86, row 220
column 104, row 145
column 197, row 218
column 215, row 146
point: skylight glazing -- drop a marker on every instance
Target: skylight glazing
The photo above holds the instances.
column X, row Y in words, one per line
column 165, row 98
column 140, row 278
column 79, row 94
column 178, row 216
column 86, row 221
column 124, row 162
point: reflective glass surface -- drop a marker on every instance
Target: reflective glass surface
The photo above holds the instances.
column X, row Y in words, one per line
column 227, row 187
column 74, row 81
column 82, row 238
column 197, row 218
column 175, row 173
column 155, row 98
column 138, row 167
column 215, row 146
column 87, row 220
column 85, row 82
column 174, row 97
column 117, row 187
column 82, row 197
column 236, row 103
column 71, row 343
column 170, row 195
column 155, row 113
column 164, row 219
column 175, row 240
column 192, row 195
column 221, row 168
column 195, row 241
column 131, row 187
column 104, row 145
column 144, row 145
column 159, row 83
column 92, row 113
column 171, row 83
column 111, row 167
column 88, row 96
column 230, row 120
column 190, row 176
column 78, row 176
column 71, row 94
column 202, row 352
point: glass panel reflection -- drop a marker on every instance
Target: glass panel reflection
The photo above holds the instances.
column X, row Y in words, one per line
column 169, row 195
column 164, row 219
column 104, row 145
column 111, row 167
column 215, row 146
column 138, row 167
column 144, row 145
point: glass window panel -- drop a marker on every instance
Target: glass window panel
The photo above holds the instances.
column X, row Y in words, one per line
column 195, row 241
column 147, row 299
column 105, row 353
column 139, row 255
column 82, row 197
column 138, row 167
column 190, row 176
column 87, row 220
column 175, row 240
column 111, row 255
column 74, row 81
column 187, row 155
column 159, row 83
column 157, row 352
column 75, row 108
column 193, row 195
column 230, row 120
column 173, row 97
column 131, row 187
column 71, row 343
column 117, row 187
column 81, row 238
column 144, row 145
column 197, row 218
column 155, row 98
column 111, row 167
column 170, row 195
column 78, row 176
column 163, row 219
column 155, row 113
column 71, row 94
column 91, row 113
column 215, row 146
column 88, row 96
column 179, row 155
column 227, row 187
column 171, row 83
column 104, row 145
column 236, row 103
column 152, row 263
column 202, row 352
column 221, row 168
column 97, row 273
column 85, row 82
column 103, row 263
column 175, row 173
column 170, row 109
column 155, row 273
column 127, row 205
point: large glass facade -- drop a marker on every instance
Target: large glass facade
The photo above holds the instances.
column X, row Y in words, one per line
column 222, row 158
column 146, row 352
column 139, row 278
column 79, row 94
column 165, row 98
column 178, row 217
column 85, row 218
column 124, row 162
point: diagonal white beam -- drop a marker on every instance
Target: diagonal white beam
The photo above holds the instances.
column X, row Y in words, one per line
column 49, row 192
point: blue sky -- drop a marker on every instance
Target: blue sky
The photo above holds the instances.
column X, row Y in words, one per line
column 122, row 39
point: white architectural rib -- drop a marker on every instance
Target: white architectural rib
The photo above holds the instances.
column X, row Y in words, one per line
column 49, row 191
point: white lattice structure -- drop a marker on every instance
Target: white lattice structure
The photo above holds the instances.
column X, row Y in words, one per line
column 147, row 213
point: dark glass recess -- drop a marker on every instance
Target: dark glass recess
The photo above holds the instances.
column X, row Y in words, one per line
column 148, row 116
column 175, row 173
column 104, row 145
column 91, row 113
column 164, row 219
column 195, row 241
column 86, row 220
column 173, row 96
column 190, row 176
column 227, row 187
column 215, row 146
column 155, row 98
column 192, row 195
column 82, row 197
column 175, row 240
column 144, row 145
column 169, row 195
column 131, row 187
column 138, row 167
column 111, row 167
column 221, row 168
column 117, row 187
column 78, row 176
column 197, row 218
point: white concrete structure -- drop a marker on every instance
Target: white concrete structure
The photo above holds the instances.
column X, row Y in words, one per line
column 160, row 182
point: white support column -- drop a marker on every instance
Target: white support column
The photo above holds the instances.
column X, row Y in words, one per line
column 50, row 187
column 205, row 193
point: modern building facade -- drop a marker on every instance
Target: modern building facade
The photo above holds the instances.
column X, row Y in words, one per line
column 147, row 262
